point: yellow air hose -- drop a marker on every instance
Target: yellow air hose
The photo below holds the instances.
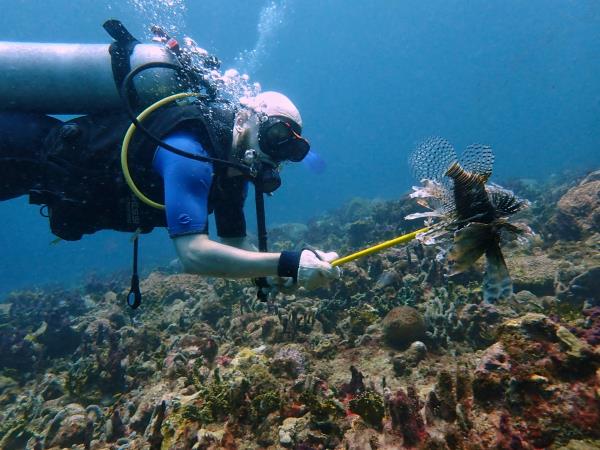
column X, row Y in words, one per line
column 379, row 247
column 129, row 136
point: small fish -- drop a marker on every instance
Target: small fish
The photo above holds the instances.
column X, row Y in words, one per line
column 474, row 211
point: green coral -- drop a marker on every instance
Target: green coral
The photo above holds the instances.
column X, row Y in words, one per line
column 360, row 318
column 264, row 404
column 216, row 402
column 193, row 413
column 195, row 376
column 369, row 405
column 322, row 408
column 261, row 379
column 82, row 379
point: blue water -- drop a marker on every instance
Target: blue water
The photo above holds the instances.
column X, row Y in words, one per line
column 370, row 78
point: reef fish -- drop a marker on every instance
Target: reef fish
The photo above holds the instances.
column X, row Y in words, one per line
column 473, row 211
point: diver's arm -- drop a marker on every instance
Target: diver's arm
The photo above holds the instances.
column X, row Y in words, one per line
column 187, row 186
column 239, row 242
column 202, row 256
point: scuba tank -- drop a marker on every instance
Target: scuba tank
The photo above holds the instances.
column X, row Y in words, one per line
column 52, row 78
column 75, row 78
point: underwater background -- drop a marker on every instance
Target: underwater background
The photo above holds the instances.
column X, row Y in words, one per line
column 476, row 337
column 370, row 79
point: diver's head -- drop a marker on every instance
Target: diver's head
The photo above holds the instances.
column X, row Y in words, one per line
column 271, row 124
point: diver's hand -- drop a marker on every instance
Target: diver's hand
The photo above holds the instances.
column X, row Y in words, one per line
column 315, row 270
column 310, row 269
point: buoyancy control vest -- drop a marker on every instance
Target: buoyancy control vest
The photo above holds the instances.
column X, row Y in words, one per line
column 84, row 188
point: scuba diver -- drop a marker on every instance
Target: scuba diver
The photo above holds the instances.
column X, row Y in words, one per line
column 188, row 158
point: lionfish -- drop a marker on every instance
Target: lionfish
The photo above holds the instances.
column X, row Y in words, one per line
column 476, row 212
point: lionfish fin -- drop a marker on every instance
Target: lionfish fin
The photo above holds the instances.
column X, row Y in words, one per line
column 469, row 245
column 505, row 201
column 422, row 215
column 478, row 159
column 497, row 283
column 429, row 162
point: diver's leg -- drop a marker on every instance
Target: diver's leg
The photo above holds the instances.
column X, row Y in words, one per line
column 21, row 145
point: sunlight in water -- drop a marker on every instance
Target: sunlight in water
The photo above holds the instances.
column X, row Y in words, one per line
column 271, row 20
column 169, row 14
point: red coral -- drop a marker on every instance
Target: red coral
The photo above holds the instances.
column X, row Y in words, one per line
column 223, row 360
column 404, row 410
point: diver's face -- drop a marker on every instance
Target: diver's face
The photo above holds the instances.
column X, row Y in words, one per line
column 245, row 132
column 245, row 136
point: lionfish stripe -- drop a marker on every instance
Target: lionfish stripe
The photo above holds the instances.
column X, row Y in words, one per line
column 460, row 175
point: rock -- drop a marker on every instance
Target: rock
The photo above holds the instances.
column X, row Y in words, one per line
column 115, row 429
column 587, row 444
column 69, row 427
column 525, row 297
column 16, row 438
column 153, row 433
column 362, row 438
column 410, row 358
column 585, row 286
column 402, row 326
column 416, row 352
column 531, row 326
column 578, row 211
column 209, row 439
column 533, row 273
column 292, row 430
column 289, row 361
column 54, row 388
column 140, row 420
column 491, row 374
column 591, row 333
column 7, row 383
column 117, row 318
column 574, row 346
column 326, row 346
column 5, row 310
column 269, row 329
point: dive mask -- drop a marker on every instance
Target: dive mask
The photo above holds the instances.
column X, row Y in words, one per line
column 280, row 139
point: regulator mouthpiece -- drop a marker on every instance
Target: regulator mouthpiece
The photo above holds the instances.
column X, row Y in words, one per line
column 250, row 157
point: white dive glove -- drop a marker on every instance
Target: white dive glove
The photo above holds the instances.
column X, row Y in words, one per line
column 310, row 269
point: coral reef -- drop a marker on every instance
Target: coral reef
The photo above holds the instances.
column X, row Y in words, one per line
column 578, row 210
column 402, row 326
column 395, row 355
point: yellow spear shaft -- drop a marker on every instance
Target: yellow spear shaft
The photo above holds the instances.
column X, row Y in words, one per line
column 379, row 247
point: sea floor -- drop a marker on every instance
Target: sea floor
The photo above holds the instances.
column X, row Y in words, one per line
column 394, row 355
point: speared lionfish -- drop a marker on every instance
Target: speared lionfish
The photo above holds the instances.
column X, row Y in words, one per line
column 476, row 212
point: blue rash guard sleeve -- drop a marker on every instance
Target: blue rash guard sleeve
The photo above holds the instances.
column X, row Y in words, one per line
column 187, row 185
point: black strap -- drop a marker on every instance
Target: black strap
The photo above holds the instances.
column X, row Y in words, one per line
column 261, row 225
column 134, row 298
column 120, row 52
